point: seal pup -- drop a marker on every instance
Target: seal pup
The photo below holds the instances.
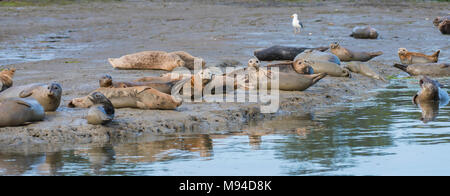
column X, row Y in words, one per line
column 444, row 27
column 102, row 112
column 6, row 78
column 281, row 53
column 364, row 32
column 430, row 90
column 18, row 111
column 48, row 95
column 155, row 60
column 132, row 97
column 106, row 81
column 407, row 57
column 439, row 19
column 364, row 69
column 427, row 69
column 345, row 54
column 298, row 26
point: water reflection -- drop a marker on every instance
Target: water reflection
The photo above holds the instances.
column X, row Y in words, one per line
column 368, row 138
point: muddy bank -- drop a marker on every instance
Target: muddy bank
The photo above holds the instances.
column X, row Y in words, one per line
column 69, row 44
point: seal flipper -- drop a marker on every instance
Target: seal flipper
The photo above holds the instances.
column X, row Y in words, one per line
column 436, row 54
column 20, row 102
column 26, row 93
column 414, row 99
column 401, row 66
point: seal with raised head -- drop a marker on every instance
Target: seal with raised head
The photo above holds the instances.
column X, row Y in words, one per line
column 407, row 57
column 282, row 53
column 6, row 78
column 439, row 19
column 444, row 27
column 427, row 69
column 107, row 82
column 18, row 111
column 345, row 54
column 297, row 82
column 316, row 55
column 430, row 90
column 132, row 97
column 364, row 32
column 155, row 60
column 364, row 69
column 48, row 95
column 102, row 112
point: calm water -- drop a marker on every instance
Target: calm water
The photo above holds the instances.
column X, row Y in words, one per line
column 384, row 136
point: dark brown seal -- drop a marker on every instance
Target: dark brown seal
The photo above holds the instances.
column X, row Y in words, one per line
column 444, row 27
column 282, row 53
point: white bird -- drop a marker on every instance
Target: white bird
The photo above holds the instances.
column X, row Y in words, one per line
column 296, row 24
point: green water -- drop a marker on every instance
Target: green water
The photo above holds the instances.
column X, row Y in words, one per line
column 382, row 136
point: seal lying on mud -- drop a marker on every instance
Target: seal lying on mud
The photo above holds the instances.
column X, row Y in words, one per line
column 132, row 97
column 428, row 69
column 6, row 78
column 107, row 82
column 362, row 68
column 156, row 60
column 364, row 32
column 102, row 112
column 327, row 67
column 430, row 91
column 282, row 53
column 316, row 55
column 48, row 95
column 444, row 27
column 407, row 57
column 439, row 19
column 293, row 66
column 297, row 82
column 345, row 54
column 18, row 111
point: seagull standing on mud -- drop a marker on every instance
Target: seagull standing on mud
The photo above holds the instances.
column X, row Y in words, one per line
column 296, row 24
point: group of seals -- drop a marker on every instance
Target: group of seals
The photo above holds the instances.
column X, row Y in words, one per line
column 132, row 97
column 6, row 78
column 364, row 32
column 156, row 60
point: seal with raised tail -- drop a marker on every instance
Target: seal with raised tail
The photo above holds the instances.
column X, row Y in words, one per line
column 427, row 69
column 346, row 55
column 407, row 57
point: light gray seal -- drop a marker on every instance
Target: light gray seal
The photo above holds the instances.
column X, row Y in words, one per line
column 48, row 95
column 18, row 111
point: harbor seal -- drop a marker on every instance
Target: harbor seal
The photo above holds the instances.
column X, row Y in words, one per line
column 297, row 82
column 407, row 57
column 19, row 111
column 427, row 69
column 444, row 27
column 48, row 95
column 439, row 19
column 331, row 69
column 317, row 55
column 364, row 69
column 364, row 32
column 188, row 59
column 6, row 78
column 132, row 97
column 102, row 112
column 430, row 91
column 107, row 82
column 293, row 66
column 346, row 55
column 155, row 60
column 282, row 53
